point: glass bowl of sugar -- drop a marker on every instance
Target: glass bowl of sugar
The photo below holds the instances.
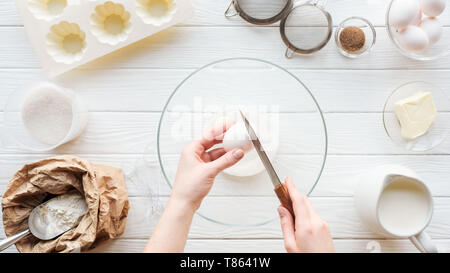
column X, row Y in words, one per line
column 43, row 116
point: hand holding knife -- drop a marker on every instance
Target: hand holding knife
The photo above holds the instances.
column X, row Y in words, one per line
column 279, row 188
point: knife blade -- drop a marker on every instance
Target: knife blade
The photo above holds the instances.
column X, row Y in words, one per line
column 279, row 188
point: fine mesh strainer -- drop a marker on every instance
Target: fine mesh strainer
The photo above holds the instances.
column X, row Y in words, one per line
column 305, row 27
column 259, row 12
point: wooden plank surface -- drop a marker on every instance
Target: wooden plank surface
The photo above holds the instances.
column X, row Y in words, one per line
column 211, row 12
column 335, row 90
column 191, row 47
column 343, row 220
column 132, row 132
column 350, row 92
column 266, row 246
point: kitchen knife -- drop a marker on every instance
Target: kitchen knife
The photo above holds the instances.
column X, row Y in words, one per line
column 279, row 188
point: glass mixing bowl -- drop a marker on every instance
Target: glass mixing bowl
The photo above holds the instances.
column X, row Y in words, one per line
column 298, row 126
column 438, row 50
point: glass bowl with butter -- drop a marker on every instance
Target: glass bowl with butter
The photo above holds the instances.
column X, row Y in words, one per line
column 415, row 115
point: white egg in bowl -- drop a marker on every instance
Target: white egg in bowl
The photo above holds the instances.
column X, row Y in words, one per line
column 237, row 137
column 433, row 28
column 413, row 39
column 433, row 7
column 404, row 12
column 432, row 21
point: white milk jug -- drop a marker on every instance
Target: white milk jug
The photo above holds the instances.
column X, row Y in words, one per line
column 392, row 200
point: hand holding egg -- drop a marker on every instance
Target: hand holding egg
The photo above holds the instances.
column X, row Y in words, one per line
column 237, row 137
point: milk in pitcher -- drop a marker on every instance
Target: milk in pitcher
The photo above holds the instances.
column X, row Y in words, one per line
column 404, row 206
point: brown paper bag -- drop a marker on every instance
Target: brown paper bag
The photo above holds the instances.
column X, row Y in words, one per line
column 106, row 196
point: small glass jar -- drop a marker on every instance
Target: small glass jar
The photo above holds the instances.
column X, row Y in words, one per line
column 369, row 35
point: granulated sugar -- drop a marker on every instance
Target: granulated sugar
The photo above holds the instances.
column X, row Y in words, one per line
column 47, row 114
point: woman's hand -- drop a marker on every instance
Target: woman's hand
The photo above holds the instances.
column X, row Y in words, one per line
column 195, row 176
column 198, row 167
column 308, row 233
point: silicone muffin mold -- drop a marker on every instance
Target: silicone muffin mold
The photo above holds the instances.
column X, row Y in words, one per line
column 111, row 23
column 156, row 12
column 47, row 9
column 69, row 33
column 66, row 42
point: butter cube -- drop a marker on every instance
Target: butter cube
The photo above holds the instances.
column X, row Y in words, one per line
column 416, row 114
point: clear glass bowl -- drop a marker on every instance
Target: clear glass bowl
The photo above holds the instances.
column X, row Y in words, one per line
column 226, row 84
column 366, row 27
column 437, row 133
column 434, row 52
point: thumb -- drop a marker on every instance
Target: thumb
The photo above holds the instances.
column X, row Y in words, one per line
column 227, row 160
column 287, row 226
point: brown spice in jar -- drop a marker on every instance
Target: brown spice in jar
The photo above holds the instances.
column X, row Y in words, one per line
column 352, row 39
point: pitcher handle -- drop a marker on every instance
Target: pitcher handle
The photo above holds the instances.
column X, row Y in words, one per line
column 424, row 243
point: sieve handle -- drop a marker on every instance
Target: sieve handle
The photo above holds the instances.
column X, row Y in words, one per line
column 319, row 3
column 289, row 53
column 231, row 10
column 13, row 239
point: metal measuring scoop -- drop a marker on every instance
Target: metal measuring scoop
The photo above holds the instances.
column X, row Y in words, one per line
column 39, row 231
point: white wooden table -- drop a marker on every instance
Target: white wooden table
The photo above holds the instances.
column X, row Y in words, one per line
column 126, row 92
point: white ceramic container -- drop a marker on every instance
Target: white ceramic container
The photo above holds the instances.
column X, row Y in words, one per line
column 368, row 192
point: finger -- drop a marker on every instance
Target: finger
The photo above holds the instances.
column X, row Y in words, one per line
column 301, row 210
column 227, row 160
column 214, row 135
column 312, row 211
column 216, row 153
column 287, row 227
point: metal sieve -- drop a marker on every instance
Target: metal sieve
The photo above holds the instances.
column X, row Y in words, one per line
column 305, row 27
column 259, row 12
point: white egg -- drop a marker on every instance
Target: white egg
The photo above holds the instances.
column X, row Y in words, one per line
column 416, row 21
column 433, row 7
column 433, row 29
column 249, row 165
column 413, row 38
column 403, row 12
column 237, row 137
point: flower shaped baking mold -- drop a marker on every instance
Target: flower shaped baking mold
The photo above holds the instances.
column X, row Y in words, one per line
column 47, row 9
column 111, row 23
column 66, row 42
column 156, row 12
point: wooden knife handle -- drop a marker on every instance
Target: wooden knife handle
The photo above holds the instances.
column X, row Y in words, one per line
column 285, row 199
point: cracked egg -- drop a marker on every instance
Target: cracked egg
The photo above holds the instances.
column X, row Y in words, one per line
column 156, row 12
column 111, row 23
column 66, row 42
column 47, row 9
